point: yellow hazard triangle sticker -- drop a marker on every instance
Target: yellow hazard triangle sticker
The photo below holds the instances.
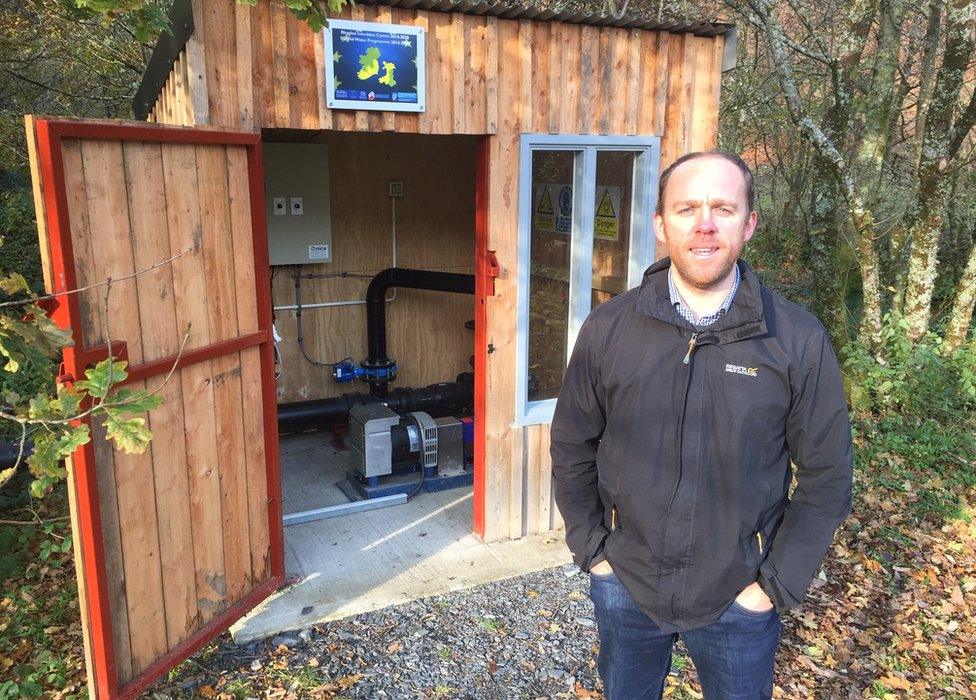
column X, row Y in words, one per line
column 606, row 206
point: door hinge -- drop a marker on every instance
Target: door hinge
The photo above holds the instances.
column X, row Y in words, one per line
column 492, row 271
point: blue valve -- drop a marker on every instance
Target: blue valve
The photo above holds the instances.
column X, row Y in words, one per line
column 345, row 372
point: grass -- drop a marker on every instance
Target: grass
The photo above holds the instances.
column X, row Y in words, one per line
column 490, row 624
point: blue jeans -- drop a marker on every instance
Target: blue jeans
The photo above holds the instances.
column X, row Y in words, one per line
column 733, row 655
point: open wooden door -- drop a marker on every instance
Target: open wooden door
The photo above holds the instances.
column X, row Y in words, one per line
column 174, row 545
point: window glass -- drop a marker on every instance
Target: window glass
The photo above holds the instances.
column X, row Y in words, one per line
column 549, row 267
column 611, row 223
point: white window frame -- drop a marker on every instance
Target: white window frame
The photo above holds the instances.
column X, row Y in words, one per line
column 640, row 254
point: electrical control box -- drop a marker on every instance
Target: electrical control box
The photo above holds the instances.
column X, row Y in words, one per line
column 296, row 187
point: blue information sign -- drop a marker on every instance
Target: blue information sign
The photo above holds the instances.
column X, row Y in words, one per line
column 374, row 66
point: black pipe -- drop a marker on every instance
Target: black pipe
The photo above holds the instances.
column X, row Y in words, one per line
column 443, row 399
column 376, row 308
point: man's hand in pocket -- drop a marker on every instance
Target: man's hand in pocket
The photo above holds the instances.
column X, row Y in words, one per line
column 754, row 598
column 602, row 569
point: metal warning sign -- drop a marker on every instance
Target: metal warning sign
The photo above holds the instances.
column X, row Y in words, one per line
column 553, row 208
column 606, row 223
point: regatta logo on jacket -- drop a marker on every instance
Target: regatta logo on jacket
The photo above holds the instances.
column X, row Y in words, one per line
column 739, row 369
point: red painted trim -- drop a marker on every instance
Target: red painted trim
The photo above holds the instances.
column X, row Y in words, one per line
column 483, row 287
column 68, row 315
column 137, row 373
column 89, row 357
column 188, row 647
column 269, row 391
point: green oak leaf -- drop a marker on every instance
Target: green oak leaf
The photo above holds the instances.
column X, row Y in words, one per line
column 44, row 460
column 68, row 402
column 53, row 338
column 40, row 408
column 130, row 434
column 102, row 376
column 71, row 439
column 14, row 283
column 9, row 352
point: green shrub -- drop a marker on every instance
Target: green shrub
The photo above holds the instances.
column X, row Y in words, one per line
column 18, row 229
column 35, row 376
column 915, row 418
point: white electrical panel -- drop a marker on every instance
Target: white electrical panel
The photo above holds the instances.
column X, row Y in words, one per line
column 296, row 185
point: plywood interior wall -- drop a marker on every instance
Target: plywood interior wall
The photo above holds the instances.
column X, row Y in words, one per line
column 485, row 76
column 434, row 231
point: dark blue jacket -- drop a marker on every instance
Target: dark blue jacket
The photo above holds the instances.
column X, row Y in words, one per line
column 679, row 474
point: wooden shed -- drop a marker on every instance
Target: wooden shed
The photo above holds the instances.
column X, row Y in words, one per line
column 527, row 158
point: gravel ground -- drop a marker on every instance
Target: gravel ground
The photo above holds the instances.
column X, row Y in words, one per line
column 532, row 636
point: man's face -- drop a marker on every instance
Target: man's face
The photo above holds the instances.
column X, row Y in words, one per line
column 705, row 221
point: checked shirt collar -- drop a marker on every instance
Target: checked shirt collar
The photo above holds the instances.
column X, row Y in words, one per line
column 686, row 312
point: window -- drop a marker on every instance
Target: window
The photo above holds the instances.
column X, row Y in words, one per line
column 585, row 235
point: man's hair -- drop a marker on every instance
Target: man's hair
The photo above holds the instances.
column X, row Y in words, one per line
column 731, row 157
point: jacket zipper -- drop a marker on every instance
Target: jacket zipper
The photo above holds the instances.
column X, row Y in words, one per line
column 613, row 518
column 691, row 348
column 681, row 421
column 759, row 539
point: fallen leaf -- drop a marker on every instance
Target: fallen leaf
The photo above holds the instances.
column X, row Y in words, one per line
column 582, row 692
column 896, row 682
column 347, row 682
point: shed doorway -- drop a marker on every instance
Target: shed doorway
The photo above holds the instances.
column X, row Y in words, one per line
column 361, row 205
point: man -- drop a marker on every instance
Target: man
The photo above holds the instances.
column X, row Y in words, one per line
column 683, row 404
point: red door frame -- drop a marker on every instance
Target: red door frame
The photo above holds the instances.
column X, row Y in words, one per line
column 486, row 270
column 67, row 314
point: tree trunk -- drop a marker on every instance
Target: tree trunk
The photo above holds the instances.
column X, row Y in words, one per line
column 924, row 235
column 863, row 220
column 960, row 318
column 940, row 142
column 822, row 251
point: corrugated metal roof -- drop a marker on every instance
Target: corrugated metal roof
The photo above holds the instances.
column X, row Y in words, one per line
column 516, row 10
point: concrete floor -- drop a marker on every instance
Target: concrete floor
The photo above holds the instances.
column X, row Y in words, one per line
column 359, row 562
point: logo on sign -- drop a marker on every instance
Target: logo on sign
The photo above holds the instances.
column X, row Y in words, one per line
column 565, row 200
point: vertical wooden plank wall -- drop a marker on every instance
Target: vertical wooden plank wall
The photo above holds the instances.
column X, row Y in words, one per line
column 484, row 76
column 185, row 503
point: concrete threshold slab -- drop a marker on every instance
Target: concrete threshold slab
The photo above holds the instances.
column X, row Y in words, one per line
column 366, row 561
